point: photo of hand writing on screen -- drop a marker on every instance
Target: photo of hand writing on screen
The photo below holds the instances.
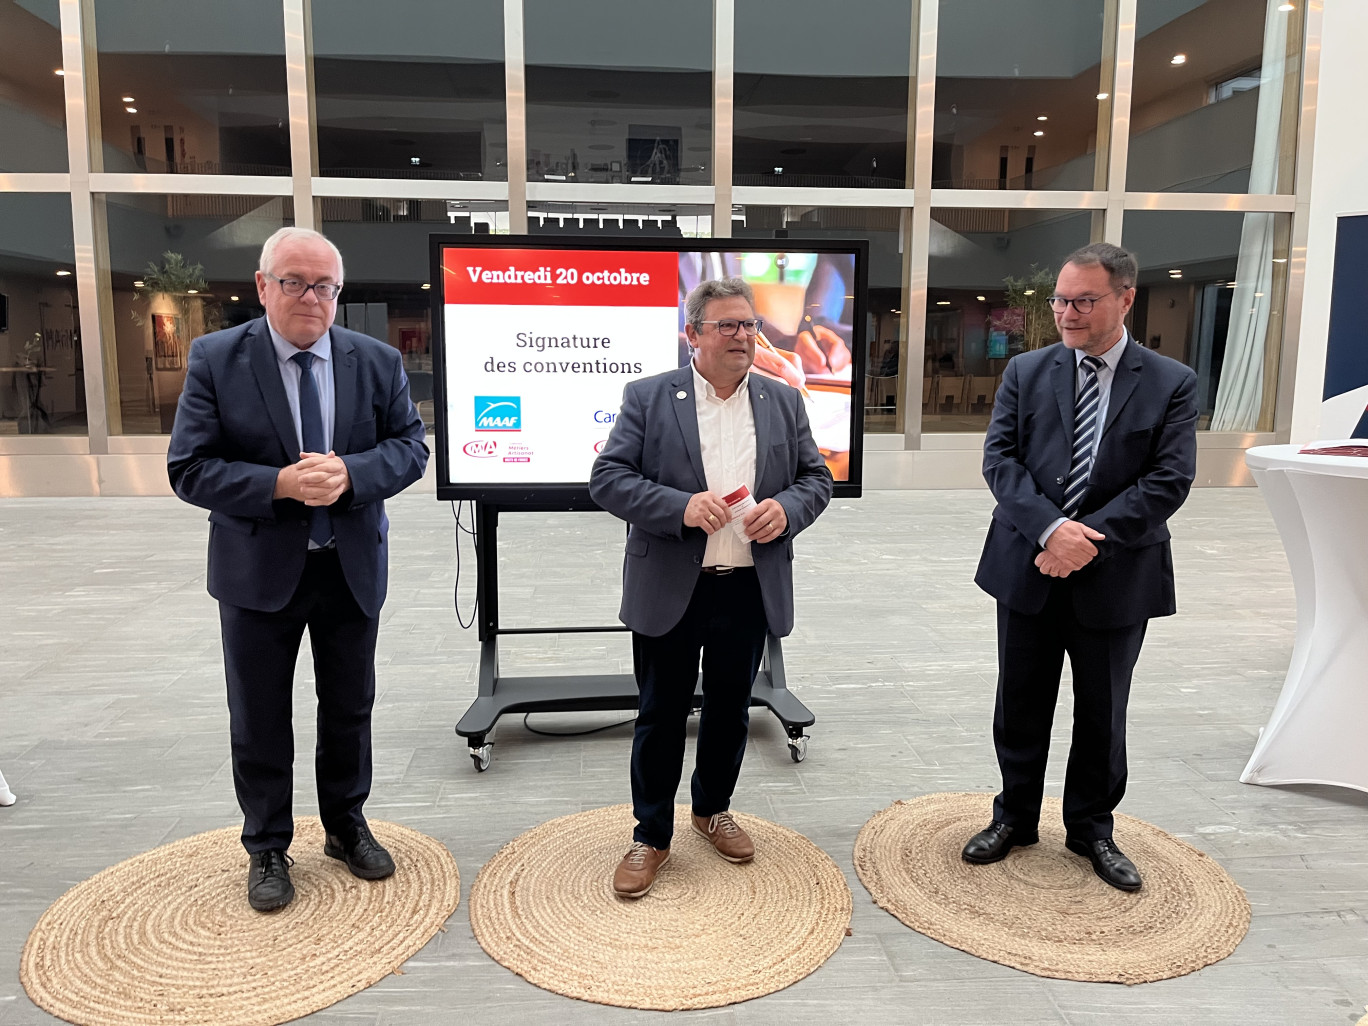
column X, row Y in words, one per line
column 806, row 303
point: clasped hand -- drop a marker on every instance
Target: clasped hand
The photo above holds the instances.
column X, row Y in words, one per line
column 764, row 523
column 1070, row 547
column 316, row 480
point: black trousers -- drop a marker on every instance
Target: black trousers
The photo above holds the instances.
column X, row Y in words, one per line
column 259, row 654
column 1031, row 652
column 725, row 621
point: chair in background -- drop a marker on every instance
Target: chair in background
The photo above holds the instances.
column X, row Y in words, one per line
column 949, row 388
column 979, row 393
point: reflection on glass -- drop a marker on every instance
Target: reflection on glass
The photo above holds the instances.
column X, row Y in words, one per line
column 200, row 93
column 1211, row 295
column 1025, row 103
column 1224, row 117
column 395, row 103
column 179, row 267
column 384, row 246
column 621, row 220
column 821, row 93
column 42, row 377
column 885, row 327
column 991, row 273
column 32, row 101
column 619, row 91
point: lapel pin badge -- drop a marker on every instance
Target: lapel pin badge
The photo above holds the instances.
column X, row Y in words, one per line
column 681, row 394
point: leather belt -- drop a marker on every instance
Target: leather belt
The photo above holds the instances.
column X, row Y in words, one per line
column 720, row 571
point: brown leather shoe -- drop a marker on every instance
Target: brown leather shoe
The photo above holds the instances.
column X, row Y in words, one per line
column 724, row 834
column 637, row 871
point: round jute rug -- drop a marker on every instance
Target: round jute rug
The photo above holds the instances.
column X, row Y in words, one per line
column 1043, row 909
column 168, row 937
column 709, row 933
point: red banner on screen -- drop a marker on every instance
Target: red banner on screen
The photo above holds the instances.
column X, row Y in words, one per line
column 559, row 277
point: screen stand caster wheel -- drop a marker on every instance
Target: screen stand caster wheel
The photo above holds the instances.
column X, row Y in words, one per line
column 480, row 757
column 798, row 747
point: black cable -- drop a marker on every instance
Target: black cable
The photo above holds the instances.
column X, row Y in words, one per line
column 456, row 588
column 573, row 733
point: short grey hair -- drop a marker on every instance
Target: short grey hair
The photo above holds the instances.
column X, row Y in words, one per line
column 1120, row 264
column 696, row 303
column 282, row 234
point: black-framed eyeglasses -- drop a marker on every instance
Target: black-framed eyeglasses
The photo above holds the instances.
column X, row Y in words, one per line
column 1083, row 304
column 324, row 290
column 729, row 327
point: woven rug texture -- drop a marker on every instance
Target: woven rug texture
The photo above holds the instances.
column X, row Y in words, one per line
column 1043, row 909
column 709, row 933
column 167, row 937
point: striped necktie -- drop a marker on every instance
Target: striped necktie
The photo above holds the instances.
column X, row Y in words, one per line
column 1085, row 430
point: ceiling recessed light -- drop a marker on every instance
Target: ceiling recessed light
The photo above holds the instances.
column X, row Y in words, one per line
column 58, row 71
column 1258, row 295
column 138, row 284
column 1103, row 96
column 192, row 292
column 1178, row 58
column 1286, row 7
column 1037, row 133
column 232, row 299
column 425, row 285
column 1042, row 117
column 1231, row 285
column 129, row 99
column 131, row 110
column 942, row 302
column 1029, row 292
column 1280, row 260
column 63, row 274
column 895, row 311
column 982, row 299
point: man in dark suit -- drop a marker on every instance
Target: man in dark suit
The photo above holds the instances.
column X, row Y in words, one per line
column 1091, row 449
column 694, row 579
column 292, row 433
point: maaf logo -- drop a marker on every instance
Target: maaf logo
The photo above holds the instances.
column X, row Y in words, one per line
column 481, row 448
column 498, row 413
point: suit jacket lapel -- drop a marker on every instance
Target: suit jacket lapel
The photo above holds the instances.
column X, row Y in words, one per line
column 266, row 369
column 1125, row 379
column 344, row 391
column 1065, row 380
column 682, row 397
column 760, row 411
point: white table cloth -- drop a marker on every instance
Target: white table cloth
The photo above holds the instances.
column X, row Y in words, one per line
column 1318, row 732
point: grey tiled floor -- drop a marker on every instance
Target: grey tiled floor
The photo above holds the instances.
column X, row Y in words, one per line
column 113, row 734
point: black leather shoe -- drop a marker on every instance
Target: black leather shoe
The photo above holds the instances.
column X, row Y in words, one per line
column 268, row 880
column 364, row 855
column 1108, row 862
column 992, row 843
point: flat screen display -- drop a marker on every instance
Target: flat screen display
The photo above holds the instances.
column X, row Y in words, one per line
column 536, row 338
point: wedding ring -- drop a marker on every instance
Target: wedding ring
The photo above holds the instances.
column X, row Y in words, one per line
column 712, row 519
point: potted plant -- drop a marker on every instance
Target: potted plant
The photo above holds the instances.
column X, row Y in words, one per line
column 1031, row 296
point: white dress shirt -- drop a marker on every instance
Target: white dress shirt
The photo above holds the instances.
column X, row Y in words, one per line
column 726, row 435
column 1105, row 374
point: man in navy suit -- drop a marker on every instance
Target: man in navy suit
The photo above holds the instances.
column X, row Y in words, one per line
column 292, row 433
column 1091, row 449
column 695, row 581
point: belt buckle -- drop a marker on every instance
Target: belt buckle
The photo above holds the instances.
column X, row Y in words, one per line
column 719, row 571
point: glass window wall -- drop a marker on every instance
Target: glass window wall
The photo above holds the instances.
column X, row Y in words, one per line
column 619, row 91
column 1025, row 104
column 1216, row 96
column 42, row 376
column 1211, row 294
column 32, row 100
column 201, row 94
column 395, row 103
column 179, row 267
column 990, row 274
column 821, row 93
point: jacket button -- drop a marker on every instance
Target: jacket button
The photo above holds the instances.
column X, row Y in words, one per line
column 1059, row 480
column 698, row 559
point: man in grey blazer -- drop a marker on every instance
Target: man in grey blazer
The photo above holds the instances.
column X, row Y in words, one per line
column 694, row 579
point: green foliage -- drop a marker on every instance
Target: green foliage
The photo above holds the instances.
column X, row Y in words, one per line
column 184, row 284
column 1031, row 295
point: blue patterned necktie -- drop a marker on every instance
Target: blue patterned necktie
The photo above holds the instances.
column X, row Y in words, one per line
column 311, row 427
column 1085, row 430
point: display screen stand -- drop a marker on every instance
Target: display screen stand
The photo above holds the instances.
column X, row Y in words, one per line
column 498, row 695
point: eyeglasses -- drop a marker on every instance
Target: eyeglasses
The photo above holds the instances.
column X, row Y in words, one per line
column 324, row 290
column 729, row 327
column 1083, row 305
